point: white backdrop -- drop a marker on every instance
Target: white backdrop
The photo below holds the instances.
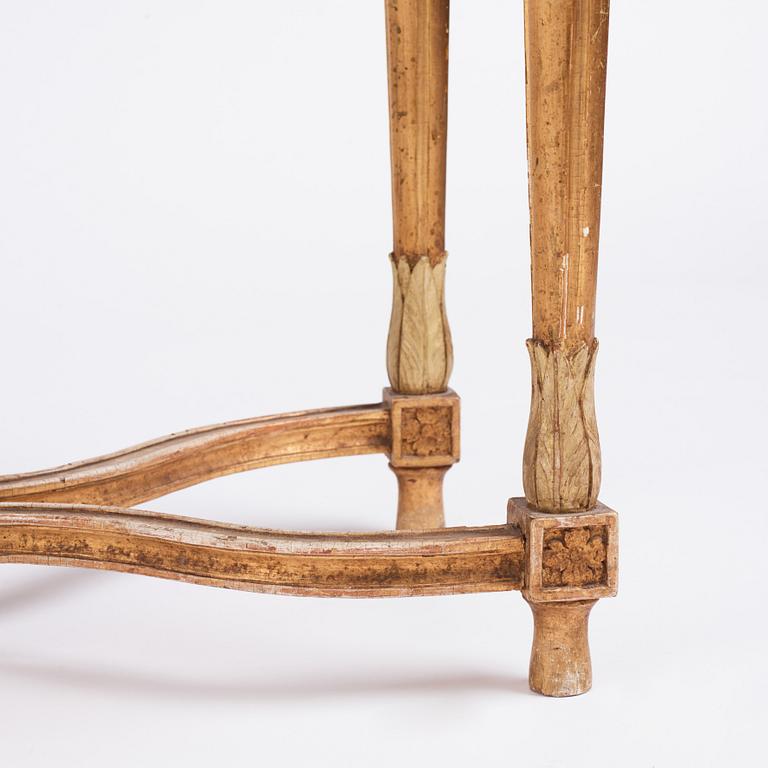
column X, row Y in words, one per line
column 194, row 227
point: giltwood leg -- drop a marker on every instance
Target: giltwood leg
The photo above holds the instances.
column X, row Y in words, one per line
column 560, row 662
column 419, row 350
column 570, row 537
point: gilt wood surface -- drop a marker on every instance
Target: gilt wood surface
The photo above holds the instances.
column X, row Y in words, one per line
column 417, row 57
column 566, row 44
column 572, row 556
column 419, row 497
column 419, row 349
column 560, row 660
column 561, row 460
column 403, row 563
column 155, row 468
column 425, row 444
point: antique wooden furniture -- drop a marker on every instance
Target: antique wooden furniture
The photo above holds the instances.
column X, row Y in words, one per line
column 559, row 543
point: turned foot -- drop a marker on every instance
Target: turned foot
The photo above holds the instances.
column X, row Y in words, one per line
column 560, row 662
column 420, row 498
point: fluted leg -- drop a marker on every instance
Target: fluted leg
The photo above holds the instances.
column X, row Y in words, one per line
column 419, row 349
column 571, row 541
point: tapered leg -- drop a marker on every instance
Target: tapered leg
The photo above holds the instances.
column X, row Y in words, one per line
column 571, row 558
column 419, row 350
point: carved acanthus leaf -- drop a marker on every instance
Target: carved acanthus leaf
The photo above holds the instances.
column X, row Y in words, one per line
column 419, row 350
column 561, row 463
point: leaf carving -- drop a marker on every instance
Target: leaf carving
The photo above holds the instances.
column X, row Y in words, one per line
column 561, row 461
column 395, row 322
column 439, row 275
column 419, row 355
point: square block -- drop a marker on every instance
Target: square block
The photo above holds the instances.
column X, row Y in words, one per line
column 572, row 556
column 425, row 429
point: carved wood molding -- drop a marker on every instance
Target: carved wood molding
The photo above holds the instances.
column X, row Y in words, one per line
column 403, row 563
column 177, row 461
column 419, row 348
column 561, row 460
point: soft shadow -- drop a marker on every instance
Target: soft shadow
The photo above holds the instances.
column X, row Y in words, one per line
column 40, row 589
column 122, row 683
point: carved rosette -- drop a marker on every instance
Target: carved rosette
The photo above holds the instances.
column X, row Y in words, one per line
column 425, row 429
column 419, row 348
column 575, row 557
column 561, row 461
